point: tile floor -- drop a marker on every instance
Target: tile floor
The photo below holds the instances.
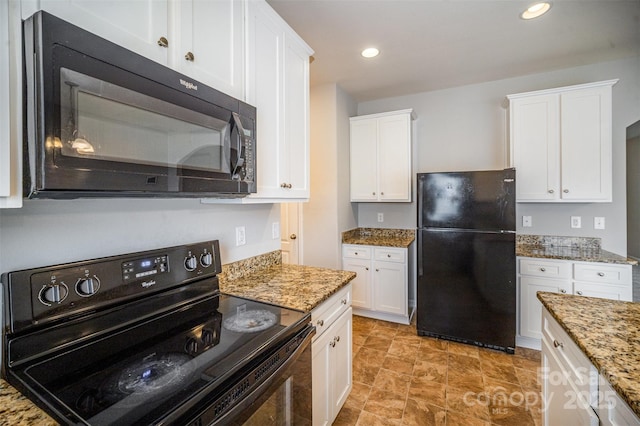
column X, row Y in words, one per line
column 400, row 378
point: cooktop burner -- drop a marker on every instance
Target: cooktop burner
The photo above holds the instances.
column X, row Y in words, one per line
column 250, row 321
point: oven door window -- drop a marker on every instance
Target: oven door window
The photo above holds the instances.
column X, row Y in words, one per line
column 103, row 121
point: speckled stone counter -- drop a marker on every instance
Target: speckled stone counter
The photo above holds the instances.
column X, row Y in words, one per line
column 292, row 286
column 16, row 409
column 608, row 332
column 379, row 237
column 580, row 249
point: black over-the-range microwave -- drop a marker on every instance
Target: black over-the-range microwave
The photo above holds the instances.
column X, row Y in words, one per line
column 102, row 121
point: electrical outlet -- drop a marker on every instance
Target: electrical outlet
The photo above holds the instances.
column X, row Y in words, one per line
column 380, row 217
column 598, row 223
column 275, row 230
column 576, row 222
column 526, row 221
column 240, row 236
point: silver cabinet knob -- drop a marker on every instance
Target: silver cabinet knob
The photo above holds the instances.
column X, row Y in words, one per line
column 163, row 42
column 550, row 191
column 189, row 57
column 382, row 193
column 557, row 344
column 543, row 269
column 388, row 255
column 377, row 270
column 333, row 343
column 337, row 338
column 373, row 193
column 320, row 323
column 366, row 268
column 293, row 236
column 343, row 301
column 579, row 293
column 562, row 290
column 566, row 191
column 601, row 274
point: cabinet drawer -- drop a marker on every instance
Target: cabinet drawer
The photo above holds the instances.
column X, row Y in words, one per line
column 390, row 255
column 602, row 273
column 545, row 268
column 326, row 313
column 575, row 364
column 357, row 252
column 613, row 410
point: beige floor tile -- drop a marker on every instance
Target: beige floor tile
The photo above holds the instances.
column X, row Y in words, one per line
column 378, row 343
column 430, row 371
column 421, row 413
column 437, row 344
column 402, row 350
column 504, row 372
column 462, row 349
column 348, row 416
column 465, row 380
column 495, row 357
column 392, row 382
column 369, row 419
column 358, row 396
column 467, row 403
column 370, row 356
column 385, row 404
column 457, row 419
column 427, row 390
column 464, row 363
column 432, row 355
column 398, row 365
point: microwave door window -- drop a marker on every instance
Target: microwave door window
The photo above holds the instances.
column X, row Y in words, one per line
column 102, row 121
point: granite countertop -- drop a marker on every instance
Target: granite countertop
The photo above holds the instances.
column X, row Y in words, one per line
column 581, row 249
column 292, row 286
column 262, row 278
column 608, row 332
column 379, row 237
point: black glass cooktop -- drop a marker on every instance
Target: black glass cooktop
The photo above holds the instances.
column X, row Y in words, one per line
column 139, row 373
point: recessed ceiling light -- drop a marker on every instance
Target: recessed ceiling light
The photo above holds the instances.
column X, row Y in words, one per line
column 535, row 10
column 370, row 52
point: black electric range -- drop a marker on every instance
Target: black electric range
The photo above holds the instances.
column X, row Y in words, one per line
column 147, row 338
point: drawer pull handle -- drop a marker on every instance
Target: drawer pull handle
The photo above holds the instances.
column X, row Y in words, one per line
column 562, row 290
column 366, row 268
column 557, row 344
column 333, row 343
column 550, row 191
column 337, row 338
column 356, row 253
column 189, row 57
column 543, row 269
column 579, row 293
column 163, row 42
column 320, row 323
column 601, row 274
column 388, row 255
column 377, row 270
column 343, row 301
column 566, row 191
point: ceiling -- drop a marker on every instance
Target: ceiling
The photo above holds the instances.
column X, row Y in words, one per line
column 435, row 44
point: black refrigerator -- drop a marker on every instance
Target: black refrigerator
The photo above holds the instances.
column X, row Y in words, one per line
column 466, row 290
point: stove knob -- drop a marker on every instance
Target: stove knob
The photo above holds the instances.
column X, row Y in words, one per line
column 190, row 263
column 191, row 347
column 88, row 286
column 53, row 293
column 208, row 336
column 206, row 259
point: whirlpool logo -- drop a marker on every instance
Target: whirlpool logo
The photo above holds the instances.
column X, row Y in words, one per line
column 189, row 85
column 146, row 284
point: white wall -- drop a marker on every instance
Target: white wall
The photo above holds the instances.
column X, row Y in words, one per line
column 328, row 212
column 633, row 190
column 47, row 232
column 465, row 128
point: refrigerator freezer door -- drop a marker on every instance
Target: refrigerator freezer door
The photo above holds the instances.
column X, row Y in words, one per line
column 467, row 200
column 467, row 287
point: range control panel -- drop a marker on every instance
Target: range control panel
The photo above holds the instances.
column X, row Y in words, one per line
column 49, row 293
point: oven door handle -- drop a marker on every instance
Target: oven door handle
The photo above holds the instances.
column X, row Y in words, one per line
column 248, row 400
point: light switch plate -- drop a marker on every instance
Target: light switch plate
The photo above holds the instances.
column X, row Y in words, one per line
column 598, row 223
column 527, row 222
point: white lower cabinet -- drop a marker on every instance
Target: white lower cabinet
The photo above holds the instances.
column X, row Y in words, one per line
column 332, row 356
column 592, row 279
column 380, row 289
column 573, row 393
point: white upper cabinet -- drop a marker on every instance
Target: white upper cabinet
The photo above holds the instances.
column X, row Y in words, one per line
column 207, row 43
column 202, row 39
column 10, row 105
column 136, row 25
column 561, row 143
column 380, row 160
column 278, row 86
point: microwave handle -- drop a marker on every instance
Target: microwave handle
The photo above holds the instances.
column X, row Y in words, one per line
column 240, row 140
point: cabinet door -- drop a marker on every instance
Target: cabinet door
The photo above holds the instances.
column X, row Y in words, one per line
column 361, row 285
column 341, row 362
column 586, row 144
column 264, row 91
column 321, row 380
column 535, row 147
column 295, row 153
column 562, row 403
column 5, row 114
column 213, row 32
column 363, row 160
column 394, row 158
column 390, row 287
column 530, row 306
column 136, row 25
